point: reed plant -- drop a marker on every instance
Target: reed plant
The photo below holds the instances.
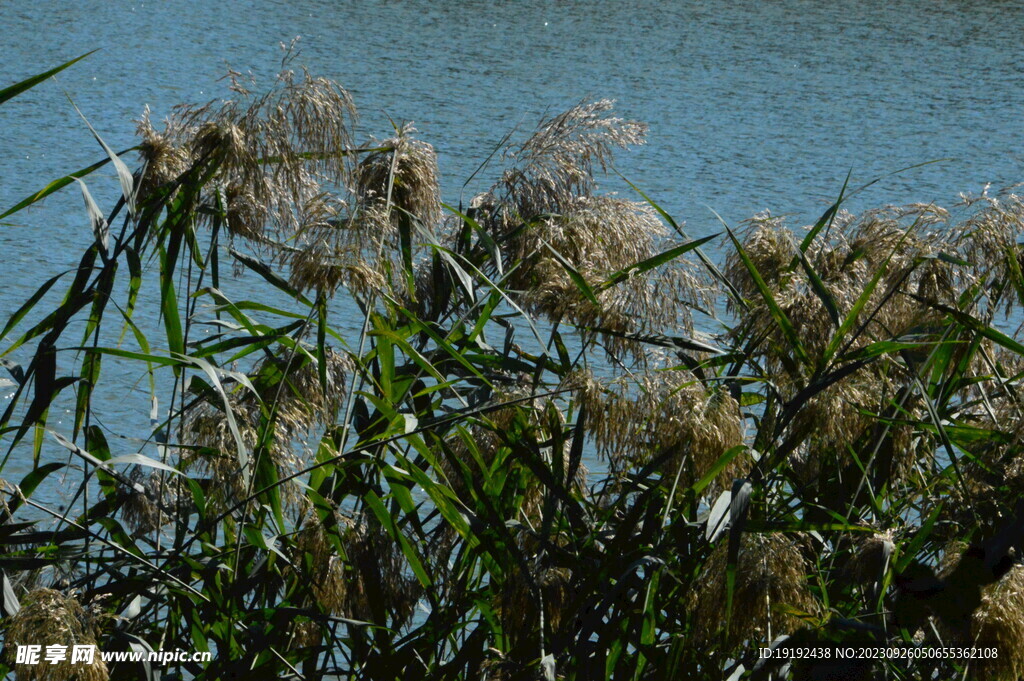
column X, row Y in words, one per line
column 371, row 416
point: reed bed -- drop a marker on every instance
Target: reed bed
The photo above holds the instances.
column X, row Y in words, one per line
column 838, row 461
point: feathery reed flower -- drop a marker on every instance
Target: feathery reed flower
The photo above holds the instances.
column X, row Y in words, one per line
column 154, row 500
column 4, row 508
column 164, row 154
column 989, row 240
column 871, row 557
column 402, row 177
column 544, row 215
column 325, row 572
column 526, row 600
column 49, row 618
column 846, row 260
column 998, row 621
column 271, row 153
column 770, row 573
column 367, row 577
column 835, row 418
column 557, row 162
column 333, row 248
column 337, row 246
column 290, row 397
column 664, row 415
column 305, row 634
column 599, row 236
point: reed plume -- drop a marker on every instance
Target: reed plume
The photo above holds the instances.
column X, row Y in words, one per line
column 998, row 622
column 289, row 401
column 152, row 500
column 368, row 576
column 355, row 243
column 276, row 162
column 401, row 178
column 871, row 557
column 544, row 213
column 989, row 241
column 846, row 259
column 50, row 618
column 771, row 575
column 477, row 447
column 666, row 416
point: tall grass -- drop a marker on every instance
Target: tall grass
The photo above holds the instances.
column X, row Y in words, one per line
column 840, row 463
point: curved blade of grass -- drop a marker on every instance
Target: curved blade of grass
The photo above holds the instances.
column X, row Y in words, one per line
column 489, row 244
column 711, row 267
column 978, row 326
column 128, row 354
column 862, row 300
column 773, row 307
column 918, row 542
column 655, row 261
column 100, row 230
column 937, row 421
column 124, row 176
column 229, row 413
column 31, row 481
column 715, row 524
column 465, row 281
column 739, row 508
column 172, row 320
column 879, row 348
column 272, row 277
column 717, row 468
column 12, row 91
column 388, row 522
column 20, row 313
column 498, row 289
column 574, row 274
column 134, row 284
column 266, row 336
column 827, row 218
column 58, row 184
column 9, row 605
column 89, row 378
column 820, row 290
column 321, row 342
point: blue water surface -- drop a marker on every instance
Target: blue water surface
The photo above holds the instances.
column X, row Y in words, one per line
column 751, row 105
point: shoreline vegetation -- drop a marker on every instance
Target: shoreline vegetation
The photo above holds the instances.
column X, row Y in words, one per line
column 819, row 437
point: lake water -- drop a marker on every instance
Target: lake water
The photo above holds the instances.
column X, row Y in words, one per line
column 751, row 105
